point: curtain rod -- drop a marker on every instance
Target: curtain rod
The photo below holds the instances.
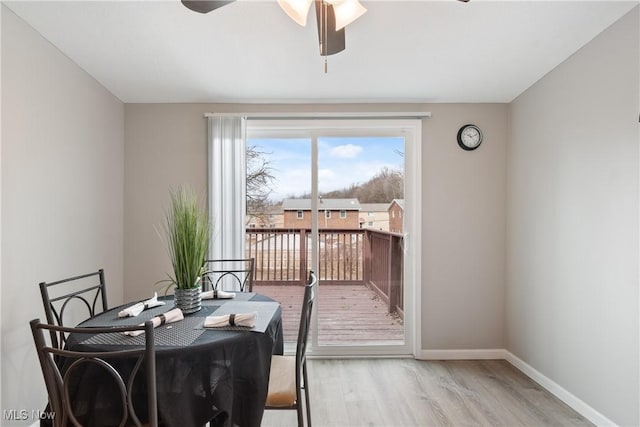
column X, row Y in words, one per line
column 325, row 116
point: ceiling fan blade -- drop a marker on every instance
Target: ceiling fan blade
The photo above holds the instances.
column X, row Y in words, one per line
column 205, row 6
column 333, row 41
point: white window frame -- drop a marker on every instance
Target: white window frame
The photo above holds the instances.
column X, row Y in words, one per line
column 299, row 214
column 343, row 213
column 327, row 214
column 382, row 125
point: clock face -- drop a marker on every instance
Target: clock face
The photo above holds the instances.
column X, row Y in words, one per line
column 469, row 137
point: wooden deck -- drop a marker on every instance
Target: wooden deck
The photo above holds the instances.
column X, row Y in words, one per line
column 351, row 314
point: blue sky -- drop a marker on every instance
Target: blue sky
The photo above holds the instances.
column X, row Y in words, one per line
column 341, row 162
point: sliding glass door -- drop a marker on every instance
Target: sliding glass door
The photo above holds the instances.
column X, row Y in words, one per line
column 332, row 196
column 278, row 220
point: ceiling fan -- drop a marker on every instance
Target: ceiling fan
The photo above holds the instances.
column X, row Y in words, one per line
column 332, row 16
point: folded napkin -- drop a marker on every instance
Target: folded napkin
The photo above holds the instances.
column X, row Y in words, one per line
column 240, row 319
column 216, row 294
column 138, row 308
column 170, row 316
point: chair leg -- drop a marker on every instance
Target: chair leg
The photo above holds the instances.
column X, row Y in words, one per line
column 298, row 405
column 306, row 393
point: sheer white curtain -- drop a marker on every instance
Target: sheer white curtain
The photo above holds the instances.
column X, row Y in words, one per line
column 227, row 176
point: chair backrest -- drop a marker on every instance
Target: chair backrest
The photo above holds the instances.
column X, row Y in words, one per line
column 60, row 377
column 305, row 320
column 83, row 290
column 238, row 272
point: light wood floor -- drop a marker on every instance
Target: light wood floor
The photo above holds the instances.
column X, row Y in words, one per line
column 406, row 392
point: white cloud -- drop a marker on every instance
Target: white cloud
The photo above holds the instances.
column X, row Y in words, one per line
column 325, row 173
column 347, row 151
column 291, row 182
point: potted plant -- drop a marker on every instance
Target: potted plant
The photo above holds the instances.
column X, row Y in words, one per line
column 187, row 230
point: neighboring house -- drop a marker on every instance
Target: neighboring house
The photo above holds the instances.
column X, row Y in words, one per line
column 270, row 217
column 374, row 216
column 396, row 214
column 332, row 213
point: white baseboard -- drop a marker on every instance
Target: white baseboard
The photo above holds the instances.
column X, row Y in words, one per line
column 560, row 392
column 484, row 354
column 556, row 389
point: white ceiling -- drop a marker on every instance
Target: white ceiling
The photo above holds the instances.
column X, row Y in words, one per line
column 250, row 51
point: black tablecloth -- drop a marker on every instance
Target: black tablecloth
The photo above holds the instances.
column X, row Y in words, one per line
column 221, row 377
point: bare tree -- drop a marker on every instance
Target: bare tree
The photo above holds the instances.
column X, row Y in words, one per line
column 386, row 185
column 259, row 182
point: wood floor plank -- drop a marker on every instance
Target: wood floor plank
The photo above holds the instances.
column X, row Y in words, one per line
column 473, row 383
column 407, row 392
column 533, row 394
column 346, row 313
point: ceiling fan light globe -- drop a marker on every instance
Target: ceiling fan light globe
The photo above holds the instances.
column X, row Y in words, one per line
column 298, row 10
column 346, row 11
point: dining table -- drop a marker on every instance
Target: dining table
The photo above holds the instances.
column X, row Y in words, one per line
column 216, row 376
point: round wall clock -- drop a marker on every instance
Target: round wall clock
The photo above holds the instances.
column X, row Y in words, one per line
column 469, row 137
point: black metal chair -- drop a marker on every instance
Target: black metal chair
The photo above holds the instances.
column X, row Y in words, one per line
column 288, row 376
column 238, row 272
column 62, row 376
column 56, row 297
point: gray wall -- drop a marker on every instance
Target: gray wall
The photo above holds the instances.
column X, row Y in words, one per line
column 557, row 185
column 572, row 259
column 463, row 234
column 463, row 207
column 62, row 173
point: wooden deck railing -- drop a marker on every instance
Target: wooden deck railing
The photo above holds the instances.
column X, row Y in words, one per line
column 384, row 268
column 352, row 256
